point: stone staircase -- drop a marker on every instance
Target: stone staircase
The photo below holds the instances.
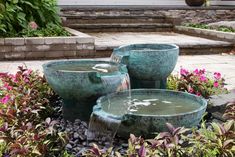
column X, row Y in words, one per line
column 117, row 20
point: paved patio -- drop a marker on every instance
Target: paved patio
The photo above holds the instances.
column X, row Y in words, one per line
column 213, row 63
column 115, row 39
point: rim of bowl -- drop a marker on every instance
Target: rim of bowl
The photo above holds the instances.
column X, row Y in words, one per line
column 52, row 63
column 203, row 105
column 174, row 46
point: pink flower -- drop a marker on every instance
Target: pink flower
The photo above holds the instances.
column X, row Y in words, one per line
column 6, row 85
column 198, row 94
column 203, row 78
column 217, row 75
column 196, row 71
column 191, row 90
column 5, row 99
column 33, row 25
column 183, row 72
column 202, row 71
column 216, row 84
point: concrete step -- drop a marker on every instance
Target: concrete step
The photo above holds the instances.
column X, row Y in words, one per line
column 90, row 19
column 104, row 51
column 123, row 27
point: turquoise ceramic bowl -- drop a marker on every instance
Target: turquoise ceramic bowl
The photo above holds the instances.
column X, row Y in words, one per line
column 152, row 120
column 79, row 84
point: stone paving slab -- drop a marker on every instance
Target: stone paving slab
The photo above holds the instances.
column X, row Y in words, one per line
column 213, row 63
column 107, row 40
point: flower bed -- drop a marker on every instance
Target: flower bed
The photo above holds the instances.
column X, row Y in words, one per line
column 198, row 82
column 205, row 26
column 26, row 124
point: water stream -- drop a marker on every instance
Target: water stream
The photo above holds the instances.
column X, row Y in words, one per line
column 99, row 128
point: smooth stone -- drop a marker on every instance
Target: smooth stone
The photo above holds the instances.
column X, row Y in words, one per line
column 75, row 135
column 69, row 146
column 218, row 102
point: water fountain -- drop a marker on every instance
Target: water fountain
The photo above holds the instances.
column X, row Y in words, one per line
column 80, row 82
column 138, row 111
column 147, row 112
column 148, row 65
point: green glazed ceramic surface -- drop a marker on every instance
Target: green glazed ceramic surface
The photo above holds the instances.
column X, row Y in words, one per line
column 177, row 108
column 148, row 64
column 80, row 82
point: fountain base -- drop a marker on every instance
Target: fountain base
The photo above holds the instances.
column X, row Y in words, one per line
column 158, row 84
column 144, row 112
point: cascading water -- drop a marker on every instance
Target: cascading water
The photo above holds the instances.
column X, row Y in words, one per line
column 99, row 128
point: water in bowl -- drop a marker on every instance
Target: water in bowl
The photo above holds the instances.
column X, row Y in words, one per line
column 149, row 105
column 102, row 68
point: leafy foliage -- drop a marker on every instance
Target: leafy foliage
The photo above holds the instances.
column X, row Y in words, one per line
column 218, row 140
column 230, row 110
column 197, row 82
column 25, row 126
column 17, row 15
column 50, row 30
column 205, row 26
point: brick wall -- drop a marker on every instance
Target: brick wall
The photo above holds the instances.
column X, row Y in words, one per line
column 76, row 46
column 185, row 14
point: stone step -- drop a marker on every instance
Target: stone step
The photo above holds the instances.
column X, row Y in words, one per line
column 123, row 27
column 106, row 51
column 90, row 19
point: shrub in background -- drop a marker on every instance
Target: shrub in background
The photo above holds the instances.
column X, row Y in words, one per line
column 205, row 26
column 18, row 16
column 25, row 126
column 197, row 82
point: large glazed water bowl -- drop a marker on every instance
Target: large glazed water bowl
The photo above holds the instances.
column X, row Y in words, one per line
column 148, row 64
column 79, row 84
column 179, row 109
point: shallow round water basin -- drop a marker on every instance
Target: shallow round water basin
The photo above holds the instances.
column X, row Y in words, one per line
column 146, row 111
column 80, row 82
column 148, row 64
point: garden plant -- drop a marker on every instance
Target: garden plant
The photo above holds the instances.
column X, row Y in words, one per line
column 205, row 26
column 21, row 18
column 199, row 82
column 26, row 124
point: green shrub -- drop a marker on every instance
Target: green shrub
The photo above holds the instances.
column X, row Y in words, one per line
column 205, row 26
column 16, row 16
column 25, row 126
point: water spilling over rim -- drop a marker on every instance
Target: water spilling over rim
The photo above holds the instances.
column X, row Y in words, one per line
column 55, row 66
column 199, row 100
column 157, row 47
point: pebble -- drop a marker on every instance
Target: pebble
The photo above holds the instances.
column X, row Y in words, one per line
column 69, row 146
column 75, row 135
